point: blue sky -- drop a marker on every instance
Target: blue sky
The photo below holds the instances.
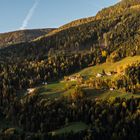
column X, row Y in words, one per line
column 17, row 14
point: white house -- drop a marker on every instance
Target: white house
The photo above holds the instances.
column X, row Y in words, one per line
column 99, row 75
column 45, row 83
column 111, row 89
column 108, row 73
column 30, row 90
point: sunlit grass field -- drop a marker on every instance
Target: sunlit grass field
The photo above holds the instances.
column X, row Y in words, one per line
column 59, row 88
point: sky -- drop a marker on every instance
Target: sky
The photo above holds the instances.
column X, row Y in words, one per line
column 30, row 14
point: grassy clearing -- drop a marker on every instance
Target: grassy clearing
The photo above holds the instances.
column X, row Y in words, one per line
column 53, row 90
column 105, row 94
column 92, row 71
column 58, row 89
column 73, row 127
column 4, row 124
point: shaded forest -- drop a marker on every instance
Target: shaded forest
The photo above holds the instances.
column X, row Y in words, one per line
column 113, row 34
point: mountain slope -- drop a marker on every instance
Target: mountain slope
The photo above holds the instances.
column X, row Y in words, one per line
column 30, row 73
column 113, row 32
column 21, row 36
column 111, row 11
column 66, row 51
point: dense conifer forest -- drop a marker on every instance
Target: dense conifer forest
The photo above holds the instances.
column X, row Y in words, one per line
column 109, row 37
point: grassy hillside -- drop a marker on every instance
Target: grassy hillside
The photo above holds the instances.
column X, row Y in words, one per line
column 60, row 88
column 108, row 66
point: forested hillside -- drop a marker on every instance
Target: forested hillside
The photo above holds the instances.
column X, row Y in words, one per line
column 15, row 37
column 66, row 51
column 113, row 32
column 34, row 62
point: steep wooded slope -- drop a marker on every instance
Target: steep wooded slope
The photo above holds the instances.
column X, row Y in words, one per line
column 116, row 28
column 21, row 36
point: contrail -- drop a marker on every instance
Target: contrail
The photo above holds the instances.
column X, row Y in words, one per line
column 29, row 15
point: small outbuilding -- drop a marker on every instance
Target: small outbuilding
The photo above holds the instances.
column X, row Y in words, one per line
column 31, row 90
column 99, row 75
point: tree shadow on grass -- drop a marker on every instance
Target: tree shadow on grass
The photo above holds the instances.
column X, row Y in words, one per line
column 56, row 94
column 95, row 93
column 44, row 89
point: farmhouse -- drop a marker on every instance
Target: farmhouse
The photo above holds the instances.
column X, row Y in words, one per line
column 111, row 89
column 31, row 90
column 108, row 73
column 99, row 75
column 74, row 78
column 70, row 78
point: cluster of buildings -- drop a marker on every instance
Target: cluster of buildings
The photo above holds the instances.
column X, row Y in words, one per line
column 105, row 74
column 74, row 78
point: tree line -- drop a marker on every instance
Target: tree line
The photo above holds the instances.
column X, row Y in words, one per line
column 110, row 119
